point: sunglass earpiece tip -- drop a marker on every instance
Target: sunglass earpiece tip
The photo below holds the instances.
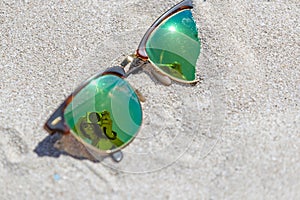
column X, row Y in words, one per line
column 117, row 156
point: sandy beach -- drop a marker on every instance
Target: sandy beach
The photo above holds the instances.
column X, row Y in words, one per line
column 234, row 135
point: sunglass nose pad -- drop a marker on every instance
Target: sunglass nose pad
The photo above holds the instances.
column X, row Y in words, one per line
column 140, row 95
column 161, row 78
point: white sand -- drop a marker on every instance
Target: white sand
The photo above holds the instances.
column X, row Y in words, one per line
column 233, row 136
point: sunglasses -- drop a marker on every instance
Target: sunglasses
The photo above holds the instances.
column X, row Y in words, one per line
column 104, row 114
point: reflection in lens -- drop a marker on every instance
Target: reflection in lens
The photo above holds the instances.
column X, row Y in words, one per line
column 106, row 113
column 174, row 46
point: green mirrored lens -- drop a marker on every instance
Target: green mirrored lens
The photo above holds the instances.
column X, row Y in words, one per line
column 106, row 113
column 174, row 46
